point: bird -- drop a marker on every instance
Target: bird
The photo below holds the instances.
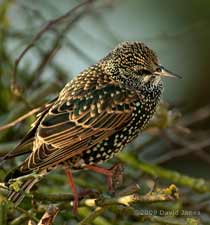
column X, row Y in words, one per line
column 93, row 118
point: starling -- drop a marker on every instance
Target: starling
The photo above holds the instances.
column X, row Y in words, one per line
column 94, row 116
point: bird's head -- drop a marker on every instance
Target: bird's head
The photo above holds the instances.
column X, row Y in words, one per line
column 135, row 65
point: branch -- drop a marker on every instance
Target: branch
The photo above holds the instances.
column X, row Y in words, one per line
column 102, row 203
column 19, row 220
column 68, row 197
column 189, row 148
column 196, row 116
column 167, row 194
column 159, row 195
column 55, row 45
column 15, row 184
column 6, row 147
column 92, row 216
column 48, row 26
column 29, row 214
column 20, row 119
column 197, row 184
column 25, row 215
column 35, row 99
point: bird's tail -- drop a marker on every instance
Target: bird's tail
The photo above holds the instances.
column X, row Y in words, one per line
column 17, row 197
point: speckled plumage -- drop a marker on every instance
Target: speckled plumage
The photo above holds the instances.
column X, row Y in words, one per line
column 96, row 114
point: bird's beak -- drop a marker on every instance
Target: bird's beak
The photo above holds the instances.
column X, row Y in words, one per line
column 166, row 73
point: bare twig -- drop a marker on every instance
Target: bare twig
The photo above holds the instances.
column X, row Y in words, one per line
column 189, row 147
column 17, row 182
column 36, row 98
column 48, row 26
column 195, row 27
column 92, row 216
column 28, row 214
column 196, row 116
column 20, row 119
column 25, row 215
column 129, row 190
column 19, row 220
column 6, row 147
column 56, row 45
column 46, row 59
column 203, row 156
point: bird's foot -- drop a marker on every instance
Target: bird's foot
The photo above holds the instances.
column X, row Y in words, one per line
column 117, row 176
column 73, row 189
column 114, row 174
column 114, row 177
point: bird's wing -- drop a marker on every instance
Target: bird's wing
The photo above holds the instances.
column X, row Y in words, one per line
column 77, row 124
column 22, row 147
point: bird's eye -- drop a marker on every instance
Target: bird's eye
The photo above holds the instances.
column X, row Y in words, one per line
column 143, row 72
column 158, row 70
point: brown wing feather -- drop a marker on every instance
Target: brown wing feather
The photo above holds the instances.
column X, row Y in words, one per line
column 67, row 129
column 22, row 147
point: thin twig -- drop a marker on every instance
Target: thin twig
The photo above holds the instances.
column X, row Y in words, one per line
column 46, row 59
column 196, row 116
column 48, row 26
column 20, row 119
column 203, row 156
column 36, row 98
column 19, row 220
column 189, row 148
column 92, row 216
column 56, row 45
column 28, row 214
column 129, row 190
column 26, row 177
column 6, row 147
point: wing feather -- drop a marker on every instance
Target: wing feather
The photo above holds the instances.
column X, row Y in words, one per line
column 73, row 126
